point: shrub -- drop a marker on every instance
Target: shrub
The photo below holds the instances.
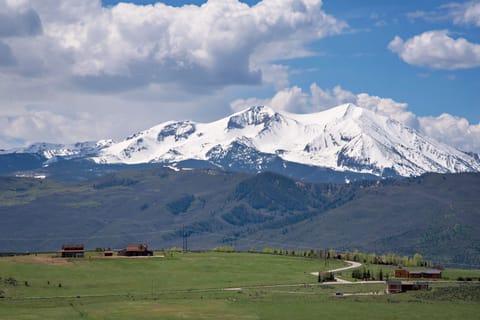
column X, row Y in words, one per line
column 224, row 249
column 326, row 277
column 11, row 281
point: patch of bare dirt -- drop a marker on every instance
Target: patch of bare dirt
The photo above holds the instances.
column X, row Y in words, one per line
column 46, row 260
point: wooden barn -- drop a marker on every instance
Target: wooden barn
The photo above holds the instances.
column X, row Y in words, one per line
column 136, row 250
column 73, row 251
column 404, row 286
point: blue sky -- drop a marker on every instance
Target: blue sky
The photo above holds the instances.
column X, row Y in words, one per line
column 369, row 66
column 89, row 70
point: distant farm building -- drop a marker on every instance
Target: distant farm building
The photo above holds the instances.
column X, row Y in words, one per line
column 427, row 274
column 108, row 253
column 73, row 251
column 404, row 286
column 431, row 274
column 401, row 273
column 135, row 250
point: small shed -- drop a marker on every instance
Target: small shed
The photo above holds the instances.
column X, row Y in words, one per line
column 73, row 251
column 394, row 286
column 135, row 250
column 108, row 253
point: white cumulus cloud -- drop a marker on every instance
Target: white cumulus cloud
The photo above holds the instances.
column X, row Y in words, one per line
column 437, row 50
column 452, row 130
column 42, row 125
column 466, row 13
column 94, row 72
column 219, row 43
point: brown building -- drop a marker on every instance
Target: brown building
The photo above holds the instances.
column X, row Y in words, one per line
column 430, row 274
column 401, row 273
column 135, row 250
column 108, row 253
column 403, row 286
column 73, row 251
column 433, row 273
column 427, row 274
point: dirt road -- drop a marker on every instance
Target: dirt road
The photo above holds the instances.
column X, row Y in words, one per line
column 352, row 265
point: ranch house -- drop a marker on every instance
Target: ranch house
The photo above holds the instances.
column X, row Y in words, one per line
column 135, row 250
column 426, row 274
column 403, row 286
column 73, row 251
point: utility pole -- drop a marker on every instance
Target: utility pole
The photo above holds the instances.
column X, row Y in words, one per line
column 184, row 240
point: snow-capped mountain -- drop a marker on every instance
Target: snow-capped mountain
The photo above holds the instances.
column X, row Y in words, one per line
column 342, row 139
column 345, row 138
column 51, row 151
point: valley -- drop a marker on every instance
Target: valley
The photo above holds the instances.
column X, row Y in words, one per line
column 435, row 215
column 213, row 285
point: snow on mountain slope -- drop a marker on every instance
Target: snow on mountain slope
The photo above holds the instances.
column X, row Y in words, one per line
column 345, row 138
column 52, row 151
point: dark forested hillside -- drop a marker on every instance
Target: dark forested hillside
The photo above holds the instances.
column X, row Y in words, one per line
column 435, row 215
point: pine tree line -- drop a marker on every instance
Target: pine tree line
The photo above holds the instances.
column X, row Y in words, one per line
column 367, row 274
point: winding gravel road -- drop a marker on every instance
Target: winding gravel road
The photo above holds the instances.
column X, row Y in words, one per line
column 352, row 265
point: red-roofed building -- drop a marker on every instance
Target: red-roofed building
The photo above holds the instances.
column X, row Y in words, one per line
column 430, row 274
column 135, row 250
column 73, row 251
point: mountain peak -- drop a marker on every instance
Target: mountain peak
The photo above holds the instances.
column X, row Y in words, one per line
column 351, row 108
column 344, row 139
column 256, row 115
column 347, row 110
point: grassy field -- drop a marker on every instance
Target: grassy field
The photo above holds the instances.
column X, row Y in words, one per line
column 192, row 286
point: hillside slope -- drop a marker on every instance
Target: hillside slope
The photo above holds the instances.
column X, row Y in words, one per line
column 149, row 205
column 436, row 215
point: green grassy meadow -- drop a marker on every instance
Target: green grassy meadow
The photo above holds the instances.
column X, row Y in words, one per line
column 192, row 286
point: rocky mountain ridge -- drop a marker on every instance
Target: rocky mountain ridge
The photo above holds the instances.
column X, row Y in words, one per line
column 345, row 139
